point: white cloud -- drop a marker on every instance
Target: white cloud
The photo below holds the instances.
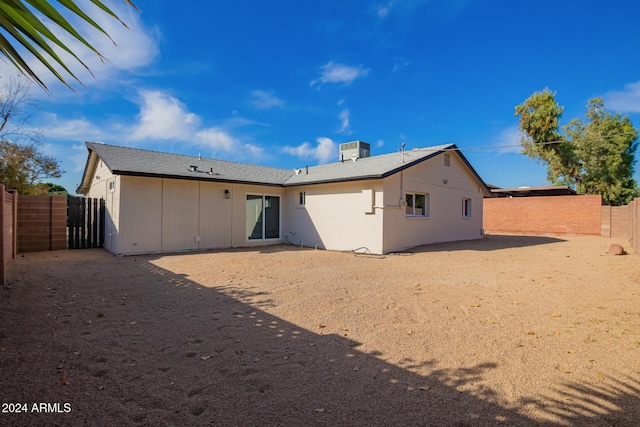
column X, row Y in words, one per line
column 340, row 73
column 75, row 129
column 265, row 100
column 324, row 151
column 624, row 101
column 303, row 150
column 163, row 117
column 78, row 158
column 215, row 139
column 406, row 8
column 254, row 150
column 508, row 141
column 344, row 117
column 400, row 65
column 383, row 10
column 137, row 46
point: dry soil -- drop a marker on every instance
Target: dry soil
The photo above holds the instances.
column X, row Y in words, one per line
column 508, row 330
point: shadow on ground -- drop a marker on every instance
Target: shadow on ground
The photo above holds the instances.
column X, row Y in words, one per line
column 490, row 242
column 160, row 349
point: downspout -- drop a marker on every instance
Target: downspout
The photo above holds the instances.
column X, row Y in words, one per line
column 400, row 202
column 232, row 206
column 199, row 203
column 162, row 216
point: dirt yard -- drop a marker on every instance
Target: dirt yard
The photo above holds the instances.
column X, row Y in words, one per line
column 508, row 330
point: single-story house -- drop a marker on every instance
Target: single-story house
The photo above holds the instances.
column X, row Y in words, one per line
column 160, row 202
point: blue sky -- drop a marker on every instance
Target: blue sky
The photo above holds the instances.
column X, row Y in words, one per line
column 284, row 83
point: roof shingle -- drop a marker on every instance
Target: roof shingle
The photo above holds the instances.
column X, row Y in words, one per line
column 139, row 162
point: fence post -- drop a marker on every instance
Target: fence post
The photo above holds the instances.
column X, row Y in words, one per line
column 3, row 276
column 50, row 223
column 95, row 223
column 15, row 223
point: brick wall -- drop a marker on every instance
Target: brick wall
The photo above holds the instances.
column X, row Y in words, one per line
column 42, row 223
column 556, row 215
column 634, row 224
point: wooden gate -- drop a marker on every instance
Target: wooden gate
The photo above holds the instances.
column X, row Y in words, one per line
column 86, row 222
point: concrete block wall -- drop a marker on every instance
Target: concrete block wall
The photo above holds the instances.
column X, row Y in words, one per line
column 555, row 215
column 42, row 223
column 615, row 222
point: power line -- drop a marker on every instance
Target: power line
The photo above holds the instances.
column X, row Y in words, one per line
column 494, row 147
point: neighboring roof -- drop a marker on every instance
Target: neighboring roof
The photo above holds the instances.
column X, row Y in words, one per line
column 137, row 162
column 551, row 190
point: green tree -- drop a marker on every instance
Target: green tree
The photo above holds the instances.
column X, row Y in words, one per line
column 55, row 188
column 36, row 35
column 23, row 164
column 606, row 146
column 596, row 156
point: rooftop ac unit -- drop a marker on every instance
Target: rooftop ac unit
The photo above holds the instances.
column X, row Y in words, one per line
column 354, row 150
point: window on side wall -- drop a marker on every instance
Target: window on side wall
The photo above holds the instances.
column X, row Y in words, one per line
column 417, row 205
column 302, row 198
column 112, row 185
column 466, row 208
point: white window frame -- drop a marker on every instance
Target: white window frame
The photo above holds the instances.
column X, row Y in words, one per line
column 466, row 208
column 111, row 185
column 301, row 201
column 410, row 209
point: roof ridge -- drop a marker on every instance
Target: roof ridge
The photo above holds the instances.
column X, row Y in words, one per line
column 186, row 155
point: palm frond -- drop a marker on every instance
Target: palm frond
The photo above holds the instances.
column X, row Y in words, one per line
column 18, row 20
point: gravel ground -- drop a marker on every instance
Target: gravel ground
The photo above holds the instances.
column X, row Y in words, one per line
column 508, row 330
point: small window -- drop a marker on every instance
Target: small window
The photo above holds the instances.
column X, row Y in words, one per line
column 112, row 185
column 302, row 198
column 447, row 159
column 466, row 208
column 417, row 204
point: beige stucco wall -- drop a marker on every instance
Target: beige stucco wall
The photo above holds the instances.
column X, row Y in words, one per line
column 99, row 189
column 445, row 221
column 170, row 215
column 98, row 185
column 336, row 216
column 140, row 219
column 149, row 215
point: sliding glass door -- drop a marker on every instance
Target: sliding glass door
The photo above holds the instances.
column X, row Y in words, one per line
column 262, row 217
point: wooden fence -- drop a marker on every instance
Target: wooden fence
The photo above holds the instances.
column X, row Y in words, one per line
column 8, row 215
column 86, row 222
column 42, row 223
